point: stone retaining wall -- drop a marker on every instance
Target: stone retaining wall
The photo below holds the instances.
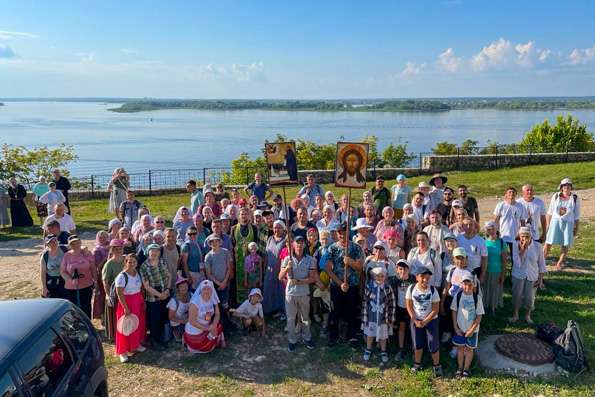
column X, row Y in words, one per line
column 433, row 164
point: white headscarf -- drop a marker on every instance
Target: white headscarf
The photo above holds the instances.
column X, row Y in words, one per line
column 179, row 214
column 203, row 306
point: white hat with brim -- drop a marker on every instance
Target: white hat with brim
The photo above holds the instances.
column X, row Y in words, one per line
column 255, row 291
column 377, row 271
column 212, row 237
column 127, row 324
column 423, row 185
column 361, row 223
column 565, row 181
column 525, row 231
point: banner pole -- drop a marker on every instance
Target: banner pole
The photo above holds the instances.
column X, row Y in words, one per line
column 346, row 237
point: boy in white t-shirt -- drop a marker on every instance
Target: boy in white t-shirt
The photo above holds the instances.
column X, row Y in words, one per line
column 423, row 305
column 467, row 311
column 251, row 312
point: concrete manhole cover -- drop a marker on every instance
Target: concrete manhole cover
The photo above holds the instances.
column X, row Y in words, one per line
column 524, row 348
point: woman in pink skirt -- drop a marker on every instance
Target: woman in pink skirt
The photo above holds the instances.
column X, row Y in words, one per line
column 204, row 332
column 130, row 303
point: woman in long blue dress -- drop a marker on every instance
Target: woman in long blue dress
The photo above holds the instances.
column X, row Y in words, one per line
column 274, row 293
column 562, row 219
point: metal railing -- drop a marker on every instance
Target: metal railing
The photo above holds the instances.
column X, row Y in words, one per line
column 164, row 179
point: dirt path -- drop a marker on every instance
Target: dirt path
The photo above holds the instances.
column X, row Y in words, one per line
column 19, row 260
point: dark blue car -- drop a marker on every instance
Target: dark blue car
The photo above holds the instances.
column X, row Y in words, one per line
column 48, row 347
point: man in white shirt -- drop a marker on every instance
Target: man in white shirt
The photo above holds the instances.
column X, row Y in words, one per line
column 509, row 215
column 65, row 220
column 476, row 249
column 535, row 208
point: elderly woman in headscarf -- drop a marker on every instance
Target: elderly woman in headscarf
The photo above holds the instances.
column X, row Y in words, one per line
column 182, row 221
column 145, row 226
column 100, row 252
column 203, row 331
column 113, row 227
column 141, row 212
column 117, row 187
column 388, row 222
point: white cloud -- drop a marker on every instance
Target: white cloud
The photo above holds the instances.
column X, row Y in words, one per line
column 250, row 72
column 6, row 52
column 448, row 61
column 86, row 57
column 525, row 53
column 6, row 35
column 412, row 69
column 496, row 55
column 128, row 51
column 544, row 55
column 582, row 56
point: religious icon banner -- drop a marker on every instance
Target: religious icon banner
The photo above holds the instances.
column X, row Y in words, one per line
column 351, row 165
column 281, row 163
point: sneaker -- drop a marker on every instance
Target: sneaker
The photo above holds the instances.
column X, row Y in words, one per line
column 309, row 344
column 445, row 337
column 453, row 352
column 141, row 348
column 459, row 373
column 353, row 343
column 384, row 357
column 465, row 374
column 291, row 347
column 367, row 355
column 283, row 317
column 437, row 370
column 416, row 368
column 124, row 358
column 400, row 356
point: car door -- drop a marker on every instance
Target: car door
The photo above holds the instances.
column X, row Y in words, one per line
column 75, row 331
column 46, row 366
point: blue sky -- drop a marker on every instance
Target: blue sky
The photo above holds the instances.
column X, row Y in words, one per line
column 291, row 49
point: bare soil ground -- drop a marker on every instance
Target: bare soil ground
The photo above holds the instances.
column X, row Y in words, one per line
column 258, row 367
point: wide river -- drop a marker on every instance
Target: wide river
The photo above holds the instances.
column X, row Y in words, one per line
column 166, row 139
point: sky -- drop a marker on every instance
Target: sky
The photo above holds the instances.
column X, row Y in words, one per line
column 296, row 49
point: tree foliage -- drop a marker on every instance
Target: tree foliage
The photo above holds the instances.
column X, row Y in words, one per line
column 243, row 169
column 27, row 165
column 396, row 155
column 444, row 148
column 568, row 134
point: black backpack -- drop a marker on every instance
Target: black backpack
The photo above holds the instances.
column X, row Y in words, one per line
column 548, row 332
column 569, row 349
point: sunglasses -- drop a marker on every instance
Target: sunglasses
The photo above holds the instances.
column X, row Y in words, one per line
column 192, row 234
column 379, row 248
column 159, row 221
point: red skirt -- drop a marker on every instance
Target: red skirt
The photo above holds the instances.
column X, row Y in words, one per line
column 201, row 343
column 128, row 344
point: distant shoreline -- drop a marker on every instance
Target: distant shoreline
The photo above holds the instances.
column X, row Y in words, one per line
column 397, row 106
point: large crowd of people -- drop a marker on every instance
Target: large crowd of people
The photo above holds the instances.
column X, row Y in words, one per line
column 405, row 261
